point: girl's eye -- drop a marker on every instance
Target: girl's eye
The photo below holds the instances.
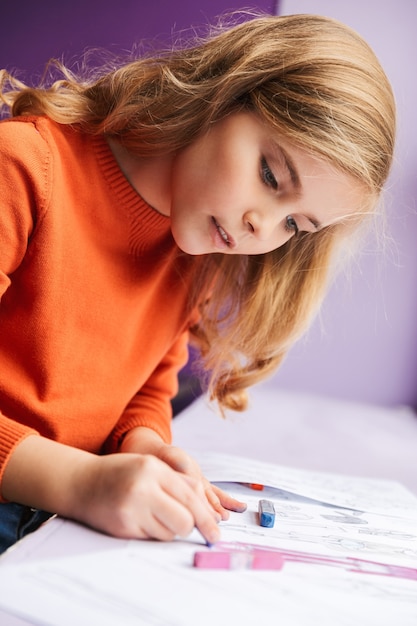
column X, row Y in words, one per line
column 291, row 225
column 267, row 175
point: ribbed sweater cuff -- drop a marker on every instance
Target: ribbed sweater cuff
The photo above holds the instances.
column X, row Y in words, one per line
column 11, row 434
column 162, row 429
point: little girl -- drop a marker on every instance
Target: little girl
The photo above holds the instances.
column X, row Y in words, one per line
column 196, row 195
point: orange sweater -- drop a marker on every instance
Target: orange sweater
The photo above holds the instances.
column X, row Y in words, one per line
column 93, row 294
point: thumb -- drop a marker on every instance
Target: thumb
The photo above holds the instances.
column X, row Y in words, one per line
column 178, row 460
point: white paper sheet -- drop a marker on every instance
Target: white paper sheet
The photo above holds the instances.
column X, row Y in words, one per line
column 373, row 495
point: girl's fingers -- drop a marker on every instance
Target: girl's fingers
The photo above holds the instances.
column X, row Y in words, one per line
column 155, row 529
column 227, row 501
column 194, row 502
column 220, row 501
column 170, row 519
column 176, row 501
column 215, row 503
column 176, row 505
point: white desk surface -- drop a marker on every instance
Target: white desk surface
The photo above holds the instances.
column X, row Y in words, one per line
column 309, row 432
column 305, row 432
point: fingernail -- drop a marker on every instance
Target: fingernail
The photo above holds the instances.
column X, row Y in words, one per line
column 212, row 538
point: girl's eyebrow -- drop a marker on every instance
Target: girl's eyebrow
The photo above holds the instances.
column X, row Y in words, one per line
column 292, row 170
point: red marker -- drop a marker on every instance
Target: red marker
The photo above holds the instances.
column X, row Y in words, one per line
column 254, row 486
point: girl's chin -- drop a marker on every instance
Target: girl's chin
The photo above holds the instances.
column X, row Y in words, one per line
column 190, row 248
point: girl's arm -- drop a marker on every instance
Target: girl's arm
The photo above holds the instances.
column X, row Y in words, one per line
column 124, row 495
column 145, row 440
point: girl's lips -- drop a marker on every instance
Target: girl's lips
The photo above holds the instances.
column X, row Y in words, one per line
column 223, row 236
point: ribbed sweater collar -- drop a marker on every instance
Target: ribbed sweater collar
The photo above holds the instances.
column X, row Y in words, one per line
column 147, row 225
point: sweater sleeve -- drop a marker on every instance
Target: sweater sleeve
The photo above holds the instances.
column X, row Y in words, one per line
column 151, row 406
column 23, row 191
column 11, row 434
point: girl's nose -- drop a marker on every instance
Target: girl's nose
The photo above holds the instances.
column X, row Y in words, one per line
column 261, row 224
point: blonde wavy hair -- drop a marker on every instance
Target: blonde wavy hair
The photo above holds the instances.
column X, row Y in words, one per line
column 315, row 82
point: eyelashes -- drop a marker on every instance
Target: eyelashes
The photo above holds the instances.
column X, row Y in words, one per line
column 291, row 225
column 267, row 175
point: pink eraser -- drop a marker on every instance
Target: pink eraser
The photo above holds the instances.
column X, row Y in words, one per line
column 212, row 560
column 263, row 559
column 239, row 559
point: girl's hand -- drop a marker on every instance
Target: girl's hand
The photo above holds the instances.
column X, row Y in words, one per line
column 220, row 501
column 126, row 495
column 146, row 441
column 140, row 496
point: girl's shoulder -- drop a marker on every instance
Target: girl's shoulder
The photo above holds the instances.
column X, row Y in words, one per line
column 31, row 132
column 29, row 149
column 37, row 145
column 23, row 125
column 25, row 138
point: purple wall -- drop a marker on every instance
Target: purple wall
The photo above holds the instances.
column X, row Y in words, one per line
column 364, row 348
column 31, row 32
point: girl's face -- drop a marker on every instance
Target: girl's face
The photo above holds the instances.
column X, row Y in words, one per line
column 241, row 190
